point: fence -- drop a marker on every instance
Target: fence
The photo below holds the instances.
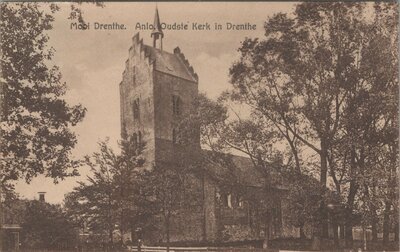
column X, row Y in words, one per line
column 200, row 249
column 210, row 249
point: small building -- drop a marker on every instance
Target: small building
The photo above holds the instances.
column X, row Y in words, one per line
column 12, row 216
column 11, row 219
column 10, row 237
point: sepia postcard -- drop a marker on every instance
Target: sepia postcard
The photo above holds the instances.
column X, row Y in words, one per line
column 199, row 126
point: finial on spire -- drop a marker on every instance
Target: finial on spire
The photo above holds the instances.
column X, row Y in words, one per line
column 157, row 33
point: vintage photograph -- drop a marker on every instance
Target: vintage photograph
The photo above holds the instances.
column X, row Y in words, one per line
column 199, row 126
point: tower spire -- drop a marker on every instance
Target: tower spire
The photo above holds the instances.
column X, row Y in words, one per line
column 157, row 33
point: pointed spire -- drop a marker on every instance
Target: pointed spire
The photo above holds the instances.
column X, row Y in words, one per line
column 157, row 33
column 157, row 24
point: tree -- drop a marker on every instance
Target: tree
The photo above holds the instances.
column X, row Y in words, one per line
column 303, row 200
column 163, row 186
column 46, row 226
column 36, row 121
column 107, row 201
column 125, row 182
column 303, row 75
column 369, row 114
column 98, row 194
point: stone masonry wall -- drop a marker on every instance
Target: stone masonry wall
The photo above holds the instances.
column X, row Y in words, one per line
column 210, row 210
column 138, row 83
column 165, row 86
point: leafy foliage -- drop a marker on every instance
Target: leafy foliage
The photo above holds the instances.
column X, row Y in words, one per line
column 162, row 187
column 36, row 121
column 47, row 226
column 319, row 78
column 106, row 201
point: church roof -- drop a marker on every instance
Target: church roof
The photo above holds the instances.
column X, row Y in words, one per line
column 233, row 168
column 171, row 63
column 228, row 168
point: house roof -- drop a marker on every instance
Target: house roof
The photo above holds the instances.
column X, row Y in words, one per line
column 171, row 63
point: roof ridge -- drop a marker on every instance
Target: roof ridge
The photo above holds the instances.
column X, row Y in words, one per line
column 166, row 62
column 189, row 68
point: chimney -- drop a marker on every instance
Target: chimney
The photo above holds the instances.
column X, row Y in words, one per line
column 41, row 196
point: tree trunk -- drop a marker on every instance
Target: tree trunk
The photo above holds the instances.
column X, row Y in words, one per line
column 325, row 221
column 396, row 231
column 296, row 158
column 132, row 232
column 122, row 235
column 323, row 180
column 295, row 154
column 110, row 236
column 336, row 234
column 267, row 233
column 1, row 216
column 203, row 195
column 342, row 231
column 350, row 201
column 324, row 164
column 349, row 235
column 122, row 226
column 364, row 237
column 386, row 223
column 374, row 227
column 375, row 219
column 110, row 224
column 167, row 228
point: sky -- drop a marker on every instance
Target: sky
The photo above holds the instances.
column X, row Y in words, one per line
column 92, row 61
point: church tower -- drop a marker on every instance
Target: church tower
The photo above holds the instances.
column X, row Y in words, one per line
column 156, row 92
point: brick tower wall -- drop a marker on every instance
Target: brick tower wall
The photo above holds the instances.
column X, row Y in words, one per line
column 137, row 83
column 165, row 86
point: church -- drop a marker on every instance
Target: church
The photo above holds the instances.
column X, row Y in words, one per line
column 157, row 90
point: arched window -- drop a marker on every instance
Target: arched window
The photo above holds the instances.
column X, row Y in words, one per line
column 139, row 139
column 174, row 136
column 136, row 109
column 176, row 105
column 229, row 200
column 134, row 139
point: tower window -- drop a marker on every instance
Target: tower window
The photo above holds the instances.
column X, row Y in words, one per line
column 136, row 109
column 174, row 136
column 134, row 139
column 176, row 105
column 133, row 75
column 139, row 139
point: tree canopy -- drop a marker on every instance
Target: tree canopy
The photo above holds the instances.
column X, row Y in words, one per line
column 36, row 121
column 325, row 80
